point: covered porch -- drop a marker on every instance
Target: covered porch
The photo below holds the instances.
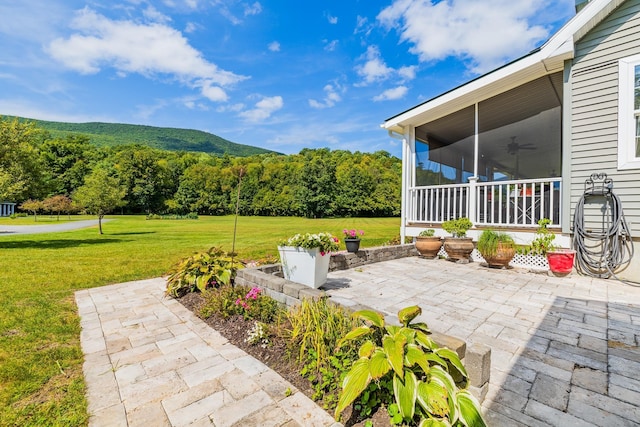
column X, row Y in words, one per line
column 497, row 161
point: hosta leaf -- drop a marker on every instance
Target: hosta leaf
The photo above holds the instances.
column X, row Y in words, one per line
column 366, row 349
column 452, row 357
column 469, row 410
column 440, row 375
column 423, row 339
column 407, row 314
column 378, row 364
column 433, row 397
column 432, row 422
column 394, row 349
column 421, row 326
column 354, row 333
column 415, row 355
column 405, row 394
column 225, row 277
column 371, row 316
column 409, row 333
column 354, row 383
column 201, row 282
column 436, row 359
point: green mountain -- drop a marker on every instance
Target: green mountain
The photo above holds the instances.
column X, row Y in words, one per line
column 111, row 134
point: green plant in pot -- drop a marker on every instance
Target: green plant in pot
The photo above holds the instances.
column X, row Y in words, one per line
column 497, row 248
column 560, row 260
column 427, row 244
column 458, row 247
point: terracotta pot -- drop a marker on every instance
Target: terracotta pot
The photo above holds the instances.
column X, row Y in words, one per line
column 561, row 261
column 459, row 248
column 428, row 246
column 503, row 256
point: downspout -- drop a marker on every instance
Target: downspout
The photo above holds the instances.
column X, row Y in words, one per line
column 567, row 141
column 406, row 162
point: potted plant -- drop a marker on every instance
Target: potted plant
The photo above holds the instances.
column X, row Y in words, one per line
column 560, row 260
column 305, row 257
column 352, row 239
column 497, row 248
column 459, row 246
column 427, row 244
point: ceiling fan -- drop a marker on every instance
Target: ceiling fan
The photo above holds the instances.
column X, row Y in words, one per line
column 513, row 147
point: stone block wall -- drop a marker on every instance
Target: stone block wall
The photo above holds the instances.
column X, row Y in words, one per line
column 476, row 357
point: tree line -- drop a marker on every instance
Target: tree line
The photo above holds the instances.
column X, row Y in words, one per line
column 35, row 167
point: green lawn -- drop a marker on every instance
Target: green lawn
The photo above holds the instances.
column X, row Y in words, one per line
column 41, row 381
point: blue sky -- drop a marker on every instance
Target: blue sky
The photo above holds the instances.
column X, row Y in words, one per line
column 282, row 75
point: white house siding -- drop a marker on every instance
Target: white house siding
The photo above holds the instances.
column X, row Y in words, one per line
column 594, row 112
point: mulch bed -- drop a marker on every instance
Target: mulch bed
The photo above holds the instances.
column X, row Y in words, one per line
column 235, row 330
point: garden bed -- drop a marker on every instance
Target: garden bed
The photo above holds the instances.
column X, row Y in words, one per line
column 235, row 330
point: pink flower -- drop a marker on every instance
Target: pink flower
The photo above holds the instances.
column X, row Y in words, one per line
column 239, row 301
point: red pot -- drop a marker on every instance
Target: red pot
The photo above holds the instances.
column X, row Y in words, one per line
column 561, row 261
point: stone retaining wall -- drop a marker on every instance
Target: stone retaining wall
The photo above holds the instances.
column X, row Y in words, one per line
column 476, row 357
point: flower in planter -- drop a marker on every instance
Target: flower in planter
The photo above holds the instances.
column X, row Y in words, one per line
column 352, row 234
column 325, row 242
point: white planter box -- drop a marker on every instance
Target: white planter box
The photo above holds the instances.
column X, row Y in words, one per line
column 305, row 266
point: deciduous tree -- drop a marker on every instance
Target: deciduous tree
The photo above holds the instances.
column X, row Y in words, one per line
column 100, row 194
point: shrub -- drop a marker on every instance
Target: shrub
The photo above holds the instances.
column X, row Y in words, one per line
column 203, row 270
column 427, row 381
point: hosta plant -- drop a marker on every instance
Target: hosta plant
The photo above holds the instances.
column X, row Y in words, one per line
column 212, row 268
column 428, row 381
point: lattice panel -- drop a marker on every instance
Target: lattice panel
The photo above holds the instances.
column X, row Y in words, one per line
column 536, row 262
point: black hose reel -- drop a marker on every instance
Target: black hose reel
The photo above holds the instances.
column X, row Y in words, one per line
column 602, row 243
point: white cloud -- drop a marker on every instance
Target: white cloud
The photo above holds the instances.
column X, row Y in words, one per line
column 330, row 46
column 332, row 19
column 392, row 94
column 253, row 9
column 129, row 47
column 407, row 73
column 214, row 93
column 154, row 15
column 485, row 33
column 191, row 27
column 263, row 109
column 374, row 68
column 332, row 96
column 274, row 46
column 34, row 110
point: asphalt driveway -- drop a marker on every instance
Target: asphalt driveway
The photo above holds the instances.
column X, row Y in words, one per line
column 9, row 230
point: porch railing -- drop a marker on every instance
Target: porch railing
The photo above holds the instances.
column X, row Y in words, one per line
column 438, row 203
column 518, row 203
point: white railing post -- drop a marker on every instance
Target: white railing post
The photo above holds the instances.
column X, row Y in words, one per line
column 472, row 207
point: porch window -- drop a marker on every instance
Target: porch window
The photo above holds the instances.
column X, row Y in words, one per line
column 629, row 113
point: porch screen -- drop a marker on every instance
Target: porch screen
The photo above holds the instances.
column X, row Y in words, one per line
column 520, row 132
column 444, row 150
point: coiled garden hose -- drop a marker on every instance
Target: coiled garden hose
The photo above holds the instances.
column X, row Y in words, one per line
column 602, row 253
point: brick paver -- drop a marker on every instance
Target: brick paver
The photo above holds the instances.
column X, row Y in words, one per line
column 150, row 362
column 564, row 351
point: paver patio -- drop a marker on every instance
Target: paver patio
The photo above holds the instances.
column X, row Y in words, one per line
column 564, row 350
column 149, row 361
